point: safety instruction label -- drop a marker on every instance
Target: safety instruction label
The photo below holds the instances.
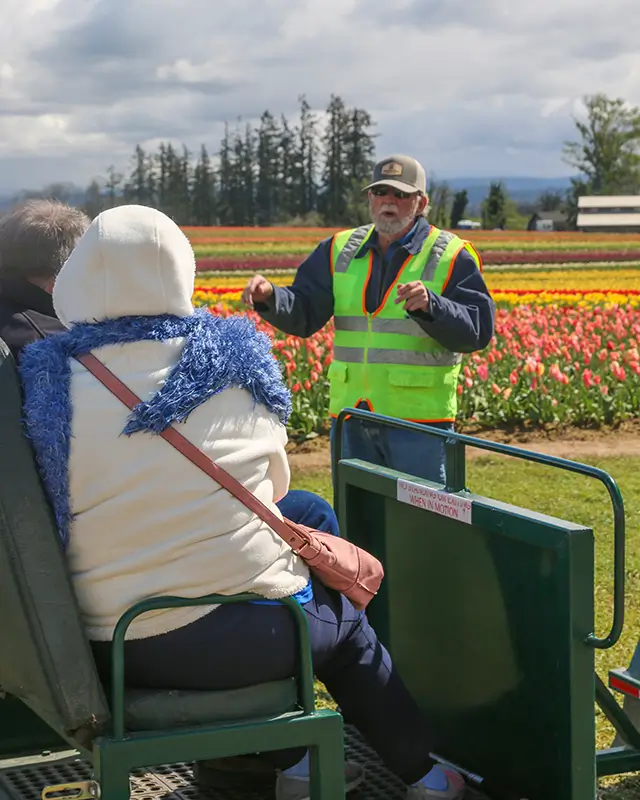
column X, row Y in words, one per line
column 436, row 500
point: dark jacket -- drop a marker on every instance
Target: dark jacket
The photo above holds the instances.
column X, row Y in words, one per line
column 26, row 315
column 461, row 319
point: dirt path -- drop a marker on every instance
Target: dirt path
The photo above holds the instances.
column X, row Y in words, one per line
column 577, row 444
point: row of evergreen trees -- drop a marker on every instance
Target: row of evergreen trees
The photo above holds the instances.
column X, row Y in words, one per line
column 312, row 171
column 281, row 172
column 307, row 172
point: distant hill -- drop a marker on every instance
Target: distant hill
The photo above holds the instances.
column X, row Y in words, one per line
column 76, row 196
column 522, row 190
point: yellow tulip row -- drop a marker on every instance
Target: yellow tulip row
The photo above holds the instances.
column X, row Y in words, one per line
column 591, row 281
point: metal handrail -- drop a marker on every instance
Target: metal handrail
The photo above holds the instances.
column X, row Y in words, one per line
column 454, row 448
column 306, row 690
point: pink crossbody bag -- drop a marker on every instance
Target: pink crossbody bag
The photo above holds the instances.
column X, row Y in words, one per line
column 336, row 562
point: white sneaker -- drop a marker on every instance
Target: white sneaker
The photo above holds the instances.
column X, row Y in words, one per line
column 456, row 787
column 289, row 787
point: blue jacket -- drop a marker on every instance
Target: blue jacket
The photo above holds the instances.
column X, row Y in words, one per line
column 461, row 319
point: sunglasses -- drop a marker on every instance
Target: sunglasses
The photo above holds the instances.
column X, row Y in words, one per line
column 383, row 191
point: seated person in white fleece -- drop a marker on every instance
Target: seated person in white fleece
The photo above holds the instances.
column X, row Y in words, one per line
column 138, row 520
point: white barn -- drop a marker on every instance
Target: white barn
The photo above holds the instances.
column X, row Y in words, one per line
column 609, row 214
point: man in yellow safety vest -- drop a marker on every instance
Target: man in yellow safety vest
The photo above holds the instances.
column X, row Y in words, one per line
column 408, row 299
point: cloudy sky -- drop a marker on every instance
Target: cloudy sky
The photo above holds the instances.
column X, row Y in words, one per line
column 470, row 87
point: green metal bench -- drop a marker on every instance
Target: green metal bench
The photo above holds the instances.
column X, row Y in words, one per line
column 53, row 697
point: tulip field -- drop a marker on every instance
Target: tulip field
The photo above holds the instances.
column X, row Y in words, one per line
column 566, row 349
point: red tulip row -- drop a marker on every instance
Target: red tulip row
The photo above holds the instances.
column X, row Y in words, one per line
column 558, row 256
column 254, row 263
column 262, row 263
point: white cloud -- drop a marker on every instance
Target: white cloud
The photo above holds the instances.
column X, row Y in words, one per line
column 470, row 88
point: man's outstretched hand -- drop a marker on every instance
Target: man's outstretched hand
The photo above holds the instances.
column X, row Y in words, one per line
column 257, row 290
column 414, row 295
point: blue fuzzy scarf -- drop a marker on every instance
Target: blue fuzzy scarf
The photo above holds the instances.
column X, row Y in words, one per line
column 218, row 354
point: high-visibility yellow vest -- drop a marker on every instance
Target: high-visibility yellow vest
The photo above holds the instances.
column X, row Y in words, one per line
column 385, row 358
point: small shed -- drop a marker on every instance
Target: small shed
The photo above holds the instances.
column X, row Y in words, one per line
column 548, row 221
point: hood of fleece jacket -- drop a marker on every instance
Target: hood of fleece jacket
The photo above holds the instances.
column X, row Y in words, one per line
column 132, row 260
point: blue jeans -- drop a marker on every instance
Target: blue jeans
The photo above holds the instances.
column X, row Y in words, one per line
column 246, row 644
column 309, row 509
column 417, row 454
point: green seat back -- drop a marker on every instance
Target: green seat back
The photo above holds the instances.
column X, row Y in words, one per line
column 45, row 658
column 147, row 709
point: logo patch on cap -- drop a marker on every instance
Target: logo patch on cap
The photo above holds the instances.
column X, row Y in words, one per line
column 392, row 168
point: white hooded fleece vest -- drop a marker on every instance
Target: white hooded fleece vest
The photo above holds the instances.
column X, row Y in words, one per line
column 147, row 521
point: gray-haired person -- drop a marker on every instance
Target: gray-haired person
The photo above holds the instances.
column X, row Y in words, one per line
column 36, row 239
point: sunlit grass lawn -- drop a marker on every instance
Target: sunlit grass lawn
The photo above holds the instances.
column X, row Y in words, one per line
column 581, row 500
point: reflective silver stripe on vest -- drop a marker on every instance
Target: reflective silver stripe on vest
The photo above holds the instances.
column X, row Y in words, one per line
column 355, row 355
column 351, row 248
column 352, row 355
column 354, row 324
column 403, row 327
column 412, row 358
column 439, row 246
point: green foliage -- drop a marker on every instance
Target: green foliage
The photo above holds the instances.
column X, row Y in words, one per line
column 516, row 220
column 349, row 156
column 440, row 203
column 278, row 172
column 459, row 206
column 494, row 208
column 607, row 154
column 551, row 201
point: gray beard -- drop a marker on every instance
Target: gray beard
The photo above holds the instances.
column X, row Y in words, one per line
column 390, row 227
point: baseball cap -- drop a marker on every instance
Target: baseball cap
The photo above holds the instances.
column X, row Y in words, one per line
column 400, row 172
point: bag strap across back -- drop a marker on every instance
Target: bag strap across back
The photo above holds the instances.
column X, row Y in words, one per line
column 195, row 455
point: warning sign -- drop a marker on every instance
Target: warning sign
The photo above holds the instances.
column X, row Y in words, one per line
column 436, row 500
